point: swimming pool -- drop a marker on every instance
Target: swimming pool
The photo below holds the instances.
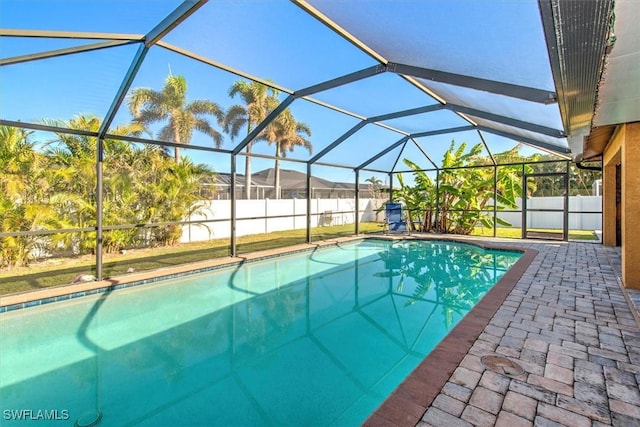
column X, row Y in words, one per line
column 312, row 338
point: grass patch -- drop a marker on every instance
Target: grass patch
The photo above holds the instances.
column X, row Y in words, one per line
column 516, row 233
column 56, row 272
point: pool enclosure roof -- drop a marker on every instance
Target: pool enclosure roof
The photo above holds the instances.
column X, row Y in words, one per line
column 375, row 81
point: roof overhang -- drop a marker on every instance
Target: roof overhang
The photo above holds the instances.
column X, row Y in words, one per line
column 594, row 48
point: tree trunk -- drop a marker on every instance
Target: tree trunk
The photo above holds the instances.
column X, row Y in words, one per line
column 176, row 150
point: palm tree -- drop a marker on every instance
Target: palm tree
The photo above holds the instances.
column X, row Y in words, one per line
column 259, row 101
column 149, row 106
column 375, row 192
column 286, row 134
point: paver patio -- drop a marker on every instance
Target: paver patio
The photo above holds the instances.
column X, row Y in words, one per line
column 569, row 324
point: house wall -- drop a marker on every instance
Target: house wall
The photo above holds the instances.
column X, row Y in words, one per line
column 624, row 149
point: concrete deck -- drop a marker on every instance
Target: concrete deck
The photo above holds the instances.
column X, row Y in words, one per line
column 573, row 329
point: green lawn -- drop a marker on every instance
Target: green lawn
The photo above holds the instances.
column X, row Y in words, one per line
column 63, row 271
column 516, row 233
column 57, row 272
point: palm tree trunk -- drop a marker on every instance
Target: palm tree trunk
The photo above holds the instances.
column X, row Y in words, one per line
column 177, row 139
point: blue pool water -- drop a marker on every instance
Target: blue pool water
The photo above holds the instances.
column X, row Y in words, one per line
column 310, row 339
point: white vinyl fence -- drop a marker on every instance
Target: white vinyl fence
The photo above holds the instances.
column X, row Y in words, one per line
column 266, row 216
column 553, row 220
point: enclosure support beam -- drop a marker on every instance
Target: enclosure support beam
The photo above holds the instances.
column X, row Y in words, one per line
column 500, row 88
column 495, row 198
column 99, row 200
column 383, row 152
column 523, row 196
column 539, row 144
column 182, row 12
column 348, row 78
column 405, row 113
column 357, row 218
column 170, row 22
column 232, row 191
column 122, row 91
column 263, row 124
column 486, row 147
column 338, row 141
column 545, row 130
column 442, row 131
column 565, row 213
column 438, row 201
column 308, row 202
column 342, row 80
column 62, row 52
column 425, row 153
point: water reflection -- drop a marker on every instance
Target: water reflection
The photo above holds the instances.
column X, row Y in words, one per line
column 456, row 276
column 297, row 341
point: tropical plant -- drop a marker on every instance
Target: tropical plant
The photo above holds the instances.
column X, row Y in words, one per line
column 173, row 190
column 465, row 191
column 170, row 105
column 141, row 184
column 23, row 197
column 581, row 181
column 420, row 199
column 259, row 100
column 72, row 175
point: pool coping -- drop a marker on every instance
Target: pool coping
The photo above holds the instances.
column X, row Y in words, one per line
column 406, row 405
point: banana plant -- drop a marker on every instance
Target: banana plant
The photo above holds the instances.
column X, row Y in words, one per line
column 465, row 190
column 419, row 199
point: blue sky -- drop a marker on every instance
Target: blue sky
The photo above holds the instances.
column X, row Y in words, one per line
column 274, row 40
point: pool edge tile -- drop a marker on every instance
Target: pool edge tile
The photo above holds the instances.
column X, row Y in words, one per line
column 19, row 301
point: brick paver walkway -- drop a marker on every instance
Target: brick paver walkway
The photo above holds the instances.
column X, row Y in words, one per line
column 569, row 325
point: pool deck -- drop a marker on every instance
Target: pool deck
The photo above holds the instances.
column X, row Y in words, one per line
column 567, row 322
column 561, row 315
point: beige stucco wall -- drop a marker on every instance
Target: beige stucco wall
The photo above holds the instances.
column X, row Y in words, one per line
column 624, row 148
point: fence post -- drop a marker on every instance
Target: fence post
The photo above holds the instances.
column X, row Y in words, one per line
column 266, row 216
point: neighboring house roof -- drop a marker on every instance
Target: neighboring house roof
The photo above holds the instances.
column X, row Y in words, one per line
column 288, row 179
